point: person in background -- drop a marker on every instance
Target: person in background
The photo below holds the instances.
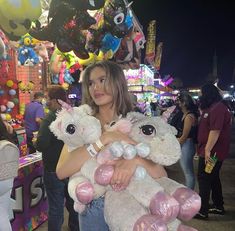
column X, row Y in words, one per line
column 51, row 147
column 134, row 102
column 153, row 108
column 214, row 133
column 187, row 134
column 34, row 113
column 9, row 162
column 105, row 90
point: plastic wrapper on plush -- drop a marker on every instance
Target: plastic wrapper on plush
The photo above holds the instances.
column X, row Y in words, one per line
column 116, row 149
column 164, row 206
column 103, row 174
column 174, row 225
column 149, row 222
column 85, row 192
column 186, row 228
column 140, row 173
column 129, row 151
column 104, row 156
column 190, row 203
column 121, row 211
column 143, row 149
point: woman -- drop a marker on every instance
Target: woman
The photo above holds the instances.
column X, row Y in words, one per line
column 187, row 136
column 9, row 157
column 105, row 90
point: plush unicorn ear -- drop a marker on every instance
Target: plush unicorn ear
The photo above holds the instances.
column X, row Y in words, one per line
column 65, row 105
column 86, row 109
column 135, row 116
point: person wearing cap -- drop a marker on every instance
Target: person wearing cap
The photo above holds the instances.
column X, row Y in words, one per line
column 34, row 113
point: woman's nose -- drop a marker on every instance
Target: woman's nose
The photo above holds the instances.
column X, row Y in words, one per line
column 96, row 85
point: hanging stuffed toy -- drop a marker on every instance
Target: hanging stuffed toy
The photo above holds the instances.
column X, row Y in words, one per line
column 66, row 28
column 26, row 53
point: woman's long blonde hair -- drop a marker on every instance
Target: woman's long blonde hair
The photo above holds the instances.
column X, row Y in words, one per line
column 115, row 80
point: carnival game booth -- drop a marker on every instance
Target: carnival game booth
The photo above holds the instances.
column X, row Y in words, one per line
column 17, row 84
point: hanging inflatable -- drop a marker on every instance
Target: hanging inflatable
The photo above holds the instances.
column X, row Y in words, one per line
column 69, row 19
column 16, row 16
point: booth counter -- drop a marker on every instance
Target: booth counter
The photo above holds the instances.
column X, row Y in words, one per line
column 28, row 194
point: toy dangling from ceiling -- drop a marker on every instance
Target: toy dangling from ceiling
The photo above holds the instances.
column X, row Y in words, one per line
column 66, row 28
column 110, row 19
column 16, row 16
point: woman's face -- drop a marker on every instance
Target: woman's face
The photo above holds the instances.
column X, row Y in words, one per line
column 98, row 84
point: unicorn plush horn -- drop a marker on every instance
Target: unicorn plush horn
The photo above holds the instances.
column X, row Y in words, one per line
column 65, row 105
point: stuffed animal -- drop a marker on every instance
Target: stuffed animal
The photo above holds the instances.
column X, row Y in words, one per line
column 27, row 56
column 142, row 196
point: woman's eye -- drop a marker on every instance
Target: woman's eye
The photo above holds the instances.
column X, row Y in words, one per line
column 148, row 130
column 102, row 80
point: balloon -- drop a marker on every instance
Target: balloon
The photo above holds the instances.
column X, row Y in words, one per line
column 3, row 116
column 1, row 92
column 8, row 117
column 12, row 92
column 9, row 83
column 21, row 9
column 8, row 110
column 15, row 101
column 19, row 117
column 3, row 108
column 10, row 104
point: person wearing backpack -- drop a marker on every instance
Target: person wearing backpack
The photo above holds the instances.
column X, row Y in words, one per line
column 9, row 163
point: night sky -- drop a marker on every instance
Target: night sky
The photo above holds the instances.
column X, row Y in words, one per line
column 191, row 32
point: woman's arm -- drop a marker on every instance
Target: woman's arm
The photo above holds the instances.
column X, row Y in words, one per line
column 188, row 122
column 71, row 162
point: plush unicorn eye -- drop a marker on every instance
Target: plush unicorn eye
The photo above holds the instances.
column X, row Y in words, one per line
column 148, row 130
column 70, row 129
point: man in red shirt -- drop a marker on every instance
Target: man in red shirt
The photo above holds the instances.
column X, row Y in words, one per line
column 213, row 140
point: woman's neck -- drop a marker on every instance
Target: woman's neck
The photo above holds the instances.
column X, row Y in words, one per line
column 106, row 115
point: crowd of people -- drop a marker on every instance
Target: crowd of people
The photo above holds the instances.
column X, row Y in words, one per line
column 203, row 129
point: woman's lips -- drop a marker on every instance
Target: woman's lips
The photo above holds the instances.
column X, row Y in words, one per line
column 98, row 95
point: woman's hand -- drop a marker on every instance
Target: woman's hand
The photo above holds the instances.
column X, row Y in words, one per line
column 111, row 136
column 123, row 171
